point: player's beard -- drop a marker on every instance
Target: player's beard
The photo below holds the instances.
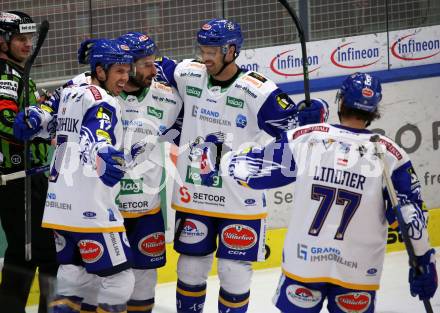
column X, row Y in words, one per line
column 141, row 81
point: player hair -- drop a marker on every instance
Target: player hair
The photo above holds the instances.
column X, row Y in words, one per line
column 359, row 114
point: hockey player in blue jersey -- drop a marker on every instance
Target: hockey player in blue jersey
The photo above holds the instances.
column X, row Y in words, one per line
column 335, row 244
column 87, row 165
column 228, row 106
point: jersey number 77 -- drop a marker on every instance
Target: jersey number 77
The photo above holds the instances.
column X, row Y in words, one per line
column 327, row 196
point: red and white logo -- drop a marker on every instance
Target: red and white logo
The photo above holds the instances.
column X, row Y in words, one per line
column 354, row 302
column 302, row 296
column 143, row 38
column 185, row 196
column 391, row 148
column 367, row 92
column 301, row 132
column 95, row 92
column 238, row 237
column 342, row 162
column 152, row 245
column 90, row 250
column 206, row 27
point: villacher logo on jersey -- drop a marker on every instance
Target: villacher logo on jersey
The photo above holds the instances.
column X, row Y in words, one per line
column 407, row 48
column 152, row 245
column 90, row 250
column 347, row 56
column 354, row 301
column 239, row 237
column 286, row 64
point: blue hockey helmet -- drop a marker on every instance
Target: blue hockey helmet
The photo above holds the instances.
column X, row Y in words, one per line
column 140, row 44
column 104, row 52
column 220, row 32
column 361, row 91
column 316, row 112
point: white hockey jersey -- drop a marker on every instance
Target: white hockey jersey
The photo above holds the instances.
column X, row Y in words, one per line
column 77, row 200
column 251, row 104
column 144, row 117
column 338, row 225
column 49, row 109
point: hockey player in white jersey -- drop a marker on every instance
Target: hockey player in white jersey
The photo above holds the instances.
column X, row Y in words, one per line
column 149, row 107
column 335, row 244
column 227, row 106
column 87, row 165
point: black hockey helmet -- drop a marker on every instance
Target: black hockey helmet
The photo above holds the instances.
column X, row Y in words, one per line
column 15, row 22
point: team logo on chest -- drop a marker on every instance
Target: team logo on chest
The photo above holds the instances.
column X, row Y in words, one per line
column 235, row 102
column 131, row 186
column 193, row 91
column 155, row 112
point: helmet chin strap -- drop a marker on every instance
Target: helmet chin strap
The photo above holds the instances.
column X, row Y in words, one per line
column 225, row 64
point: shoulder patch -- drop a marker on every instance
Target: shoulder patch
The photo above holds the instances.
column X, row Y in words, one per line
column 104, row 114
column 284, row 101
column 165, row 86
column 95, row 92
column 258, row 76
column 300, row 132
column 391, row 149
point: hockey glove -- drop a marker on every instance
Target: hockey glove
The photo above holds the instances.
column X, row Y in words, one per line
column 110, row 165
column 424, row 284
column 317, row 112
column 26, row 127
column 164, row 65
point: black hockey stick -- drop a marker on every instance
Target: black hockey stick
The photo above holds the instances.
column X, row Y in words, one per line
column 42, row 32
column 22, row 174
column 395, row 203
column 302, row 39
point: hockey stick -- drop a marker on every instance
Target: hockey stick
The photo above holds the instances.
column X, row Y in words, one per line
column 22, row 174
column 302, row 39
column 42, row 32
column 395, row 203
